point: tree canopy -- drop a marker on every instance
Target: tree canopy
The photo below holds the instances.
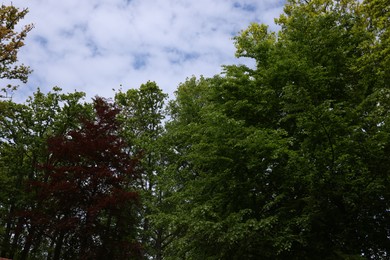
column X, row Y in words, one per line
column 288, row 159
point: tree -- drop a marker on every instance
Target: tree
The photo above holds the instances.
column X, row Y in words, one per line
column 287, row 160
column 86, row 200
column 24, row 129
column 142, row 112
column 10, row 43
column 217, row 163
column 328, row 119
column 377, row 47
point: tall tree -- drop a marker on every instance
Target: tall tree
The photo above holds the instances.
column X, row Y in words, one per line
column 218, row 160
column 142, row 112
column 86, row 201
column 287, row 160
column 10, row 43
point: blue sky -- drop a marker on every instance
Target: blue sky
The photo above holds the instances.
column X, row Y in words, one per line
column 96, row 46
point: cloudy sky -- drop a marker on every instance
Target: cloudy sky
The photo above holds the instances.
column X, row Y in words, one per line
column 99, row 45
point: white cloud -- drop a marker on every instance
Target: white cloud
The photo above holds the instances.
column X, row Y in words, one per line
column 94, row 46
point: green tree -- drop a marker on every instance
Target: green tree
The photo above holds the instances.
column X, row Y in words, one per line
column 377, row 22
column 142, row 115
column 287, row 160
column 218, row 158
column 10, row 43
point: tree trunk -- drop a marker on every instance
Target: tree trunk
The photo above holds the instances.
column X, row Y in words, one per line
column 27, row 246
column 5, row 247
column 14, row 245
column 159, row 253
column 58, row 248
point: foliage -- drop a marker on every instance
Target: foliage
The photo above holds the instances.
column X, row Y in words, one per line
column 284, row 160
column 142, row 112
column 86, row 198
column 287, row 160
column 24, row 129
column 10, row 43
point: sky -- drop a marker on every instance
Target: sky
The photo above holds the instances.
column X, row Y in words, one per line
column 96, row 46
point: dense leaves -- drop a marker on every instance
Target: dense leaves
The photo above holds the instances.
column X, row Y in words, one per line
column 141, row 116
column 86, row 197
column 284, row 160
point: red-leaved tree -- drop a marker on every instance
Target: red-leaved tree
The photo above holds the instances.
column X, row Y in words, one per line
column 86, row 201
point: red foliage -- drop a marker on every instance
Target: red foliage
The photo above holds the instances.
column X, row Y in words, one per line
column 86, row 195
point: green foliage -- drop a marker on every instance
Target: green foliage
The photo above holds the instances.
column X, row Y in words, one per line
column 288, row 160
column 377, row 47
column 142, row 113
